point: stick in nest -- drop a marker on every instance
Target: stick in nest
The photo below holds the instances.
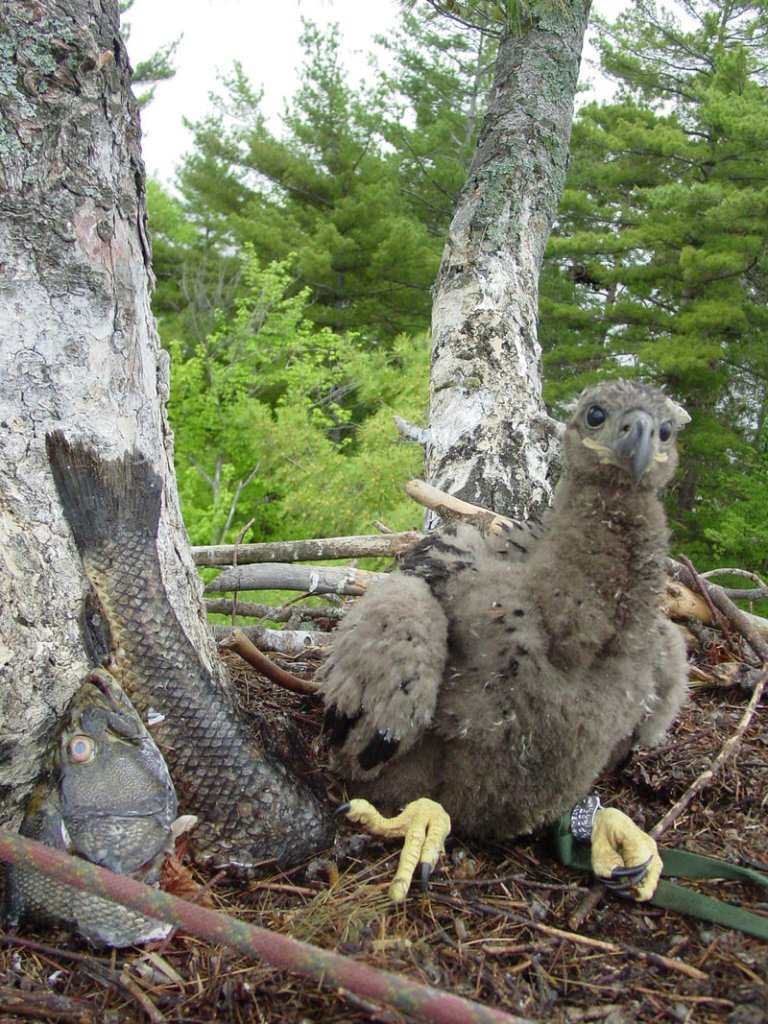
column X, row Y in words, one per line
column 238, row 642
column 741, row 624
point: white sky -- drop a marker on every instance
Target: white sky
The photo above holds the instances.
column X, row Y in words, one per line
column 263, row 36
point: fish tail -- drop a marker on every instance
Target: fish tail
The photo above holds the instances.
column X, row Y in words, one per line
column 102, row 498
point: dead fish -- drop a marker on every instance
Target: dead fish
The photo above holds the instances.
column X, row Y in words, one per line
column 106, row 796
column 250, row 808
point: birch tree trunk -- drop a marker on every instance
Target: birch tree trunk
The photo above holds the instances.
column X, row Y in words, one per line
column 490, row 439
column 79, row 351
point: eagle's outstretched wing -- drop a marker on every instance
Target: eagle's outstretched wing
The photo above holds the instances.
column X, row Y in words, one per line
column 380, row 684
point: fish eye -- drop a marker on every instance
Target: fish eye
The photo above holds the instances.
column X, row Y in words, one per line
column 81, row 749
column 596, row 416
column 665, row 430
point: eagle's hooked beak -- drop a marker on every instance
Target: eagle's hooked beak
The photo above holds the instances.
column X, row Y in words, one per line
column 635, row 447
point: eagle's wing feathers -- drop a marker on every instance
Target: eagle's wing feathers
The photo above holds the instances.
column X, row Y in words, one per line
column 448, row 551
column 380, row 684
column 670, row 685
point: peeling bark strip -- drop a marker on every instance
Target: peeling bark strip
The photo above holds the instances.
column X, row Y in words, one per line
column 489, row 435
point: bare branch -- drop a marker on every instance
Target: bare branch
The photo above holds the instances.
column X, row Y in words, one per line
column 449, row 508
column 321, row 549
column 742, row 624
column 727, row 751
column 241, row 485
column 254, row 610
column 410, row 432
column 281, row 641
column 238, row 642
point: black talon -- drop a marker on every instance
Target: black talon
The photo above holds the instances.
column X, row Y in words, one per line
column 425, row 870
column 623, row 880
column 341, row 810
column 639, row 870
column 620, row 888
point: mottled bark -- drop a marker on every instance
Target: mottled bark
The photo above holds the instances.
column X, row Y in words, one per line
column 489, row 438
column 79, row 351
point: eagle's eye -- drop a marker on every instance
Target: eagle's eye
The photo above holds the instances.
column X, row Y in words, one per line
column 595, row 416
column 665, row 430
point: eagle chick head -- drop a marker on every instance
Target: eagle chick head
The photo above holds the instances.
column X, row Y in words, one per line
column 624, row 433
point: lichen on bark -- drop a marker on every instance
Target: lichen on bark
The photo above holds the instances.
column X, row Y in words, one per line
column 490, row 440
column 80, row 354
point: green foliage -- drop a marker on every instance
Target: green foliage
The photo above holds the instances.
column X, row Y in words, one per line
column 262, row 414
column 658, row 263
column 158, row 67
column 293, row 285
column 435, row 97
column 326, row 191
column 294, row 268
column 735, row 513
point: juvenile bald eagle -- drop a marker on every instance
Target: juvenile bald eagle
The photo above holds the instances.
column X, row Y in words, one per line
column 498, row 676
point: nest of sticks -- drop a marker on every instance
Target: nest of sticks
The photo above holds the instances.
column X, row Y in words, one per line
column 504, row 926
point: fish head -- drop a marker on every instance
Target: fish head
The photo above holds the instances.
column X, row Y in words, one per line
column 109, row 782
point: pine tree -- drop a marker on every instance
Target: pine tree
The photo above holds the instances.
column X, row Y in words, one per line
column 325, row 191
column 658, row 266
column 157, row 67
column 435, row 97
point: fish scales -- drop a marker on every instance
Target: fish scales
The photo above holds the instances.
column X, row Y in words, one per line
column 105, row 795
column 251, row 809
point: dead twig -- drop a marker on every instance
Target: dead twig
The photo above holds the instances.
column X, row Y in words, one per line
column 757, row 593
column 580, row 940
column 450, row 508
column 288, row 642
column 727, row 751
column 388, row 545
column 310, row 579
column 238, row 542
column 742, row 624
column 46, row 1006
column 701, row 586
column 753, row 628
column 254, row 610
column 238, row 642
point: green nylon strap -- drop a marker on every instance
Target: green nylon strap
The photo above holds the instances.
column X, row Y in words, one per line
column 679, row 864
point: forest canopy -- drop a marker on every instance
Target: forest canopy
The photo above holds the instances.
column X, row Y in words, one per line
column 294, row 270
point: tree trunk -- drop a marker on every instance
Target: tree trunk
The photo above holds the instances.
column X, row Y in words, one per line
column 79, row 353
column 490, row 439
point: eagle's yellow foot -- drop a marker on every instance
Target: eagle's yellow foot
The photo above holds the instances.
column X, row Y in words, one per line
column 623, row 856
column 423, row 824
